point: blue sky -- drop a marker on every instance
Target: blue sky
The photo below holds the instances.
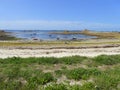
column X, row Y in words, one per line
column 59, row 14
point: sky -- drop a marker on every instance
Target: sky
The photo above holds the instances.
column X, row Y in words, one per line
column 60, row 14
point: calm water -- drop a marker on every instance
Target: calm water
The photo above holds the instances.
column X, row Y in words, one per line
column 45, row 35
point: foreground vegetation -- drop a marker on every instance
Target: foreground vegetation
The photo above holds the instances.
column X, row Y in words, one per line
column 67, row 73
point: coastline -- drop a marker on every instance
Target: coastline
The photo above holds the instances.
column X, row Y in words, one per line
column 97, row 34
column 26, row 61
column 61, row 48
column 46, row 51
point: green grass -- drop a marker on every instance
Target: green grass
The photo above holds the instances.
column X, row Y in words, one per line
column 109, row 80
column 43, row 73
column 79, row 73
column 87, row 86
column 43, row 60
column 102, row 59
column 107, row 60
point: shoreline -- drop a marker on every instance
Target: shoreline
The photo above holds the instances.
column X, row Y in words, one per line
column 87, row 47
column 89, row 52
column 91, row 35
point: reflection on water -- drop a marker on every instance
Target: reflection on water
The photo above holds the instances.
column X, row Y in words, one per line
column 45, row 35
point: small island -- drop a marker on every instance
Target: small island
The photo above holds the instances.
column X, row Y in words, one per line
column 6, row 36
column 105, row 35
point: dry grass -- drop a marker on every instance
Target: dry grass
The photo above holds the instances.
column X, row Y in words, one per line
column 61, row 44
column 103, row 34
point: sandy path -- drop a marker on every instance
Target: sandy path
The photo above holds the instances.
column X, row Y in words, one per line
column 91, row 52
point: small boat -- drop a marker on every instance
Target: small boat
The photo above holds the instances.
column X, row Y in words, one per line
column 50, row 35
column 58, row 38
column 74, row 38
column 35, row 39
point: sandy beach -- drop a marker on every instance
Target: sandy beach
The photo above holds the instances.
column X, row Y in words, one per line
column 62, row 52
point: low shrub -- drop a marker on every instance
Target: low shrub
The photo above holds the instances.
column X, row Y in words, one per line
column 56, row 87
column 107, row 60
column 72, row 59
column 43, row 60
column 41, row 79
column 81, row 73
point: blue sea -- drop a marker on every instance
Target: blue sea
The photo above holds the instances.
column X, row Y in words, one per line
column 46, row 35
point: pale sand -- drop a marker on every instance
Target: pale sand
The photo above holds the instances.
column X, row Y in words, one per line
column 90, row 52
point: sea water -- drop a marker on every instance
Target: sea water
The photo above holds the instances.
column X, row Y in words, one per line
column 46, row 35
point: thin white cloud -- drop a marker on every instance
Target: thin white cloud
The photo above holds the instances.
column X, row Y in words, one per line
column 56, row 25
